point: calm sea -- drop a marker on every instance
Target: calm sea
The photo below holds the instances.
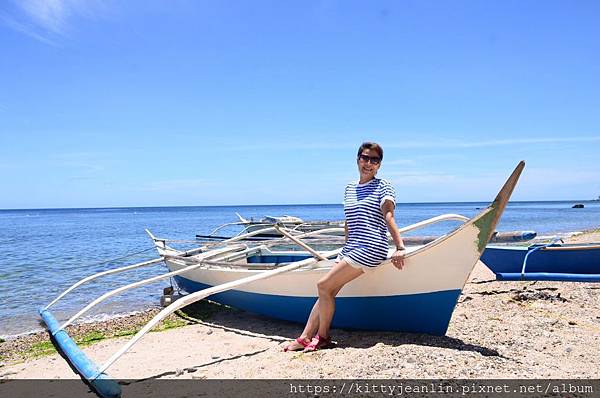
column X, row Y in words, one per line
column 45, row 251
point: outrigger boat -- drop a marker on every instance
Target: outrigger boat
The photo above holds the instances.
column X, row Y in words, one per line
column 290, row 222
column 554, row 261
column 282, row 284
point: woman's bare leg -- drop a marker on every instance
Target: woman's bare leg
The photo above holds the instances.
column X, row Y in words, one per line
column 312, row 324
column 329, row 286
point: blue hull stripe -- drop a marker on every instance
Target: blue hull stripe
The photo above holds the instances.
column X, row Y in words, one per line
column 416, row 313
column 546, row 276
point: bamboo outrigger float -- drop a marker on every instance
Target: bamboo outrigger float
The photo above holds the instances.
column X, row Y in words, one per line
column 235, row 272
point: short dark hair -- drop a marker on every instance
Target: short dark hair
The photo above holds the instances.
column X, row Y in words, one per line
column 371, row 145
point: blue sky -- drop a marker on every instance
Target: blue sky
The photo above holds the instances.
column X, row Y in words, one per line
column 141, row 103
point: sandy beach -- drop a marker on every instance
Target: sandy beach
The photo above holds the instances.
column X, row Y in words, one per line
column 498, row 330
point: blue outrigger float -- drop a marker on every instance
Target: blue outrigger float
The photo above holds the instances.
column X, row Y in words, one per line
column 234, row 272
column 550, row 262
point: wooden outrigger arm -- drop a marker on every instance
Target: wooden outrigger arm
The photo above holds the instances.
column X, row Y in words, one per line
column 104, row 273
column 193, row 297
column 154, row 279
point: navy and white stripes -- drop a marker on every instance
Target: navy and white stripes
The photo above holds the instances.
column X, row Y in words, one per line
column 367, row 231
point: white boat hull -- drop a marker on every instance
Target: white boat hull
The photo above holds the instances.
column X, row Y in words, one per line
column 419, row 298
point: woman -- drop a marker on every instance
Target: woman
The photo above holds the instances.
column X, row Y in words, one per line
column 369, row 210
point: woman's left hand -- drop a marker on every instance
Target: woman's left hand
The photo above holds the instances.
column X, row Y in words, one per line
column 398, row 258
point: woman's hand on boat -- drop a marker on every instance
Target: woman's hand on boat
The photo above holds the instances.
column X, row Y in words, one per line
column 398, row 258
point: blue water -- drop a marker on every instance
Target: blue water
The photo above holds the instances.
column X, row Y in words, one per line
column 45, row 251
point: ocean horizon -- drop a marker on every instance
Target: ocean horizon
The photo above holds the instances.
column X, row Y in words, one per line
column 291, row 204
column 47, row 250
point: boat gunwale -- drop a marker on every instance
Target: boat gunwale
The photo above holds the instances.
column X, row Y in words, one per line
column 418, row 249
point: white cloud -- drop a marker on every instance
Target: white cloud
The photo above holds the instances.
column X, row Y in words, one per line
column 410, row 144
column 493, row 143
column 418, row 177
column 25, row 28
column 49, row 20
column 49, row 14
column 84, row 164
column 534, row 184
column 399, row 162
column 289, row 146
column 558, row 176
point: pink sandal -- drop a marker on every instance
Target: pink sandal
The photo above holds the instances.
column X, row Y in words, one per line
column 300, row 341
column 318, row 343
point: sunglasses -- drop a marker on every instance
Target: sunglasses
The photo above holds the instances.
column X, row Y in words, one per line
column 373, row 159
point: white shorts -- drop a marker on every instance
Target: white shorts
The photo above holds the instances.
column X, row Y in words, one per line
column 354, row 264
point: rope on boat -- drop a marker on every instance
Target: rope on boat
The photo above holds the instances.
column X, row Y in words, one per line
column 126, row 287
column 242, row 332
column 103, row 273
column 107, row 272
column 120, row 258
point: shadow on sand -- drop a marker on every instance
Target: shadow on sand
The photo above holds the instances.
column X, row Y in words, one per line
column 245, row 323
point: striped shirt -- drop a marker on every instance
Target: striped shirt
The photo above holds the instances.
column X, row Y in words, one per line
column 367, row 231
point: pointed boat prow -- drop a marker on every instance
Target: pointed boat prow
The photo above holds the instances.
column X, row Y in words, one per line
column 506, row 191
column 242, row 219
column 488, row 220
